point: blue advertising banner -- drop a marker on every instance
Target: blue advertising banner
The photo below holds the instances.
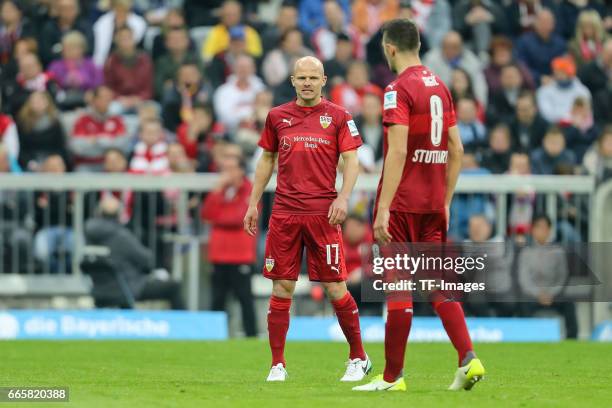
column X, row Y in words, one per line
column 112, row 324
column 429, row 329
column 603, row 331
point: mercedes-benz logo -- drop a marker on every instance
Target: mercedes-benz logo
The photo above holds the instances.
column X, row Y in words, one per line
column 285, row 143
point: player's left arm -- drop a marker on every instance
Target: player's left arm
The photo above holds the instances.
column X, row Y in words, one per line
column 455, row 155
column 339, row 208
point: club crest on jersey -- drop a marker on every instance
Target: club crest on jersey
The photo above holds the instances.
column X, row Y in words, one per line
column 269, row 264
column 325, row 121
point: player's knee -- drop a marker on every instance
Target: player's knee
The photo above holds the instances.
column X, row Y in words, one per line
column 335, row 290
column 283, row 289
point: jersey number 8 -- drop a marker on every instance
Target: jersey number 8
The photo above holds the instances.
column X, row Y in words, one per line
column 435, row 107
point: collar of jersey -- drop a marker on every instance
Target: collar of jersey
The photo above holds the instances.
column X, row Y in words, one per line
column 412, row 69
column 308, row 109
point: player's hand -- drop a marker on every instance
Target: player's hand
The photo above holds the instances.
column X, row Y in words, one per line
column 250, row 221
column 337, row 211
column 381, row 227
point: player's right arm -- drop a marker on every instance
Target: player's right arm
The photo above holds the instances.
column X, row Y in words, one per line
column 263, row 173
column 393, row 171
column 455, row 155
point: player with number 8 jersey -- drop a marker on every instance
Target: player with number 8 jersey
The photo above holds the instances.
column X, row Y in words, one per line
column 422, row 159
column 307, row 136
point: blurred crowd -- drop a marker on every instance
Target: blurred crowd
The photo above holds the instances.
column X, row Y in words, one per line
column 184, row 86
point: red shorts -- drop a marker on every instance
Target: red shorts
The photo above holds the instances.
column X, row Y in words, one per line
column 408, row 230
column 415, row 227
column 288, row 235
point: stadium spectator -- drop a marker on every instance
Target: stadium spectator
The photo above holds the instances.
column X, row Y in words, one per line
column 222, row 64
column 553, row 153
column 464, row 206
column 461, row 87
column 496, row 158
column 555, row 99
column 130, row 259
column 40, row 132
column 174, row 20
column 129, row 72
column 569, row 12
column 9, row 141
column 434, row 19
column 249, row 132
column 536, row 49
column 8, row 71
column 189, row 89
column 380, row 72
column 287, row 19
column 522, row 202
column 13, row 26
column 350, row 94
column 472, row 130
column 108, row 25
column 313, row 15
column 336, row 68
column 452, row 54
column 278, row 63
column 324, row 38
column 596, row 74
column 54, row 239
column 542, row 275
column 477, row 21
column 369, row 15
column 199, row 135
column 370, row 126
column 598, row 159
column 502, row 103
column 528, row 126
column 151, row 152
column 582, row 131
column 521, row 14
column 497, row 299
column 178, row 162
column 68, row 20
column 234, row 100
column 224, row 209
column 357, row 238
column 96, row 131
column 590, row 36
column 177, row 52
column 502, row 55
column 30, row 78
column 74, row 73
column 219, row 37
column 114, row 162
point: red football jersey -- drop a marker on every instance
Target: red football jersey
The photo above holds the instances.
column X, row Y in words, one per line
column 420, row 100
column 309, row 141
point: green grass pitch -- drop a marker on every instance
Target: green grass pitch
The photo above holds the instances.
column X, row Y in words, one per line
column 231, row 374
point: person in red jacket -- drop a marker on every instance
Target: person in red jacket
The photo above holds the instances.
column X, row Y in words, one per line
column 230, row 250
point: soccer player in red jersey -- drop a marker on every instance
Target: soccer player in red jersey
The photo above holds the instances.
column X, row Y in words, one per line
column 422, row 151
column 306, row 137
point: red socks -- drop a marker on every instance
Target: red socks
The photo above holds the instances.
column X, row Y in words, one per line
column 348, row 318
column 278, row 324
column 399, row 320
column 453, row 319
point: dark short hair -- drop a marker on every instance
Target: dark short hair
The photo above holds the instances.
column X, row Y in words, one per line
column 402, row 33
column 541, row 217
